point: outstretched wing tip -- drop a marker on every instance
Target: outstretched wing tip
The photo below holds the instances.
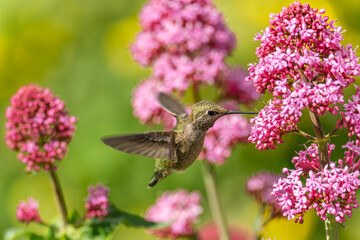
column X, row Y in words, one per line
column 103, row 139
column 155, row 144
column 107, row 142
column 106, row 139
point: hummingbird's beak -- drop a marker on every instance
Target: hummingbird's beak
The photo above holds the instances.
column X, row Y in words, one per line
column 239, row 112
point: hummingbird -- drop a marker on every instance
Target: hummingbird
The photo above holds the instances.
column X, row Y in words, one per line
column 177, row 149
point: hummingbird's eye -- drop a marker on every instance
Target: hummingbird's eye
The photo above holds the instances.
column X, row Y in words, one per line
column 211, row 113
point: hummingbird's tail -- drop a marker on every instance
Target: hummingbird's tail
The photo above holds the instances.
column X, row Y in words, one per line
column 155, row 178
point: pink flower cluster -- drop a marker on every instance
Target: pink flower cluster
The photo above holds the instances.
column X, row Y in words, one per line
column 351, row 158
column 97, row 202
column 281, row 115
column 301, row 38
column 309, row 159
column 185, row 41
column 28, row 212
column 330, row 190
column 351, row 116
column 38, row 127
column 179, row 208
column 271, row 123
column 303, row 64
column 222, row 137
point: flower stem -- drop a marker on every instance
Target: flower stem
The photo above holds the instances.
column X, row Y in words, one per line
column 304, row 134
column 331, row 229
column 258, row 223
column 58, row 195
column 322, row 142
column 213, row 198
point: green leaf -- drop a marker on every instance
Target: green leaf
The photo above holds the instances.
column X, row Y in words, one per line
column 33, row 236
column 14, row 233
column 74, row 217
column 131, row 220
column 51, row 233
column 102, row 228
column 19, row 233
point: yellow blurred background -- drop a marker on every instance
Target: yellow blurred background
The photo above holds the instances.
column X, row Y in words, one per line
column 80, row 49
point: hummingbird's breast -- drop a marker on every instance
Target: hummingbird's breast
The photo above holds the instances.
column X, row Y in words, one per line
column 189, row 144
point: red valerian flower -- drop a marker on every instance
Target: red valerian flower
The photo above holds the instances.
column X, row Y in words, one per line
column 38, row 127
column 97, row 202
column 179, row 208
column 28, row 211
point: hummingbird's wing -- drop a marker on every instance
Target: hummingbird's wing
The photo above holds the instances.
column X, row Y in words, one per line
column 155, row 144
column 171, row 105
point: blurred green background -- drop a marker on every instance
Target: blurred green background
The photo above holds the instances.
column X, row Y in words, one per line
column 80, row 50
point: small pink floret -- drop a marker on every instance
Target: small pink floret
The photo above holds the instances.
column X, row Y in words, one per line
column 180, row 208
column 97, row 202
column 28, row 211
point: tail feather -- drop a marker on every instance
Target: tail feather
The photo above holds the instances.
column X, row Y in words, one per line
column 155, row 178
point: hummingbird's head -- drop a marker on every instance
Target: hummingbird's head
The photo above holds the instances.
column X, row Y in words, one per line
column 205, row 113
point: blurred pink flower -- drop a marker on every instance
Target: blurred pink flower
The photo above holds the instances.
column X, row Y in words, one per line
column 180, row 208
column 179, row 27
column 222, row 137
column 210, row 232
column 260, row 187
column 28, row 212
column 38, row 127
column 184, row 41
column 236, row 87
column 97, row 202
column 146, row 106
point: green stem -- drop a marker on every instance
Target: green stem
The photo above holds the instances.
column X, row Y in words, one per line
column 258, row 223
column 322, row 142
column 331, row 229
column 262, row 219
column 58, row 195
column 213, row 198
column 304, row 134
